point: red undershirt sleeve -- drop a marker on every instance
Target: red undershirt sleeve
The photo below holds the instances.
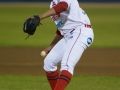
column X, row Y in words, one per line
column 60, row 7
column 58, row 32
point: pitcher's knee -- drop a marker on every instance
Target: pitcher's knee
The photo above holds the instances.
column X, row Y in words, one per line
column 49, row 65
column 68, row 68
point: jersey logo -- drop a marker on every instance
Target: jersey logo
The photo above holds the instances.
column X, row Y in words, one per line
column 84, row 13
column 89, row 40
column 60, row 23
column 70, row 37
column 53, row 3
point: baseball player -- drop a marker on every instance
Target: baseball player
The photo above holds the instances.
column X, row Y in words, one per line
column 73, row 35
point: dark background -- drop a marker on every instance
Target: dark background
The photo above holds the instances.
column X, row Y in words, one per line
column 50, row 0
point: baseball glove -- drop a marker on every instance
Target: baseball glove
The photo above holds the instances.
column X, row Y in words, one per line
column 31, row 24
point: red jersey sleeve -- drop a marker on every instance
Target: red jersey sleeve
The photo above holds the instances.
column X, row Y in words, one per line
column 60, row 7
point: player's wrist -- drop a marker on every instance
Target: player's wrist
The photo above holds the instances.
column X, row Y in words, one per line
column 41, row 17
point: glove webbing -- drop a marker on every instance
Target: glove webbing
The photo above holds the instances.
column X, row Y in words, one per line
column 29, row 34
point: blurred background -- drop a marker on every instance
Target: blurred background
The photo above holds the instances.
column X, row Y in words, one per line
column 20, row 56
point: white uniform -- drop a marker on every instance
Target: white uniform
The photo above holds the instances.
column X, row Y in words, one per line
column 75, row 26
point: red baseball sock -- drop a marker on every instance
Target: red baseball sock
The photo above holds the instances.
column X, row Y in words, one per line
column 63, row 80
column 52, row 78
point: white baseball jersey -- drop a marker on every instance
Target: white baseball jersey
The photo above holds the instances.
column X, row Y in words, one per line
column 72, row 17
